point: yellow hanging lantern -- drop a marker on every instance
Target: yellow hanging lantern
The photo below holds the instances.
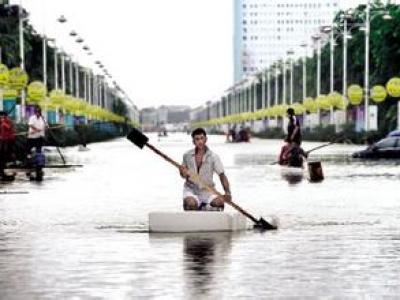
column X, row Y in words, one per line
column 310, row 105
column 57, row 97
column 378, row 93
column 355, row 94
column 322, row 102
column 298, row 108
column 4, row 75
column 18, row 79
column 10, row 93
column 335, row 99
column 393, row 87
column 36, row 91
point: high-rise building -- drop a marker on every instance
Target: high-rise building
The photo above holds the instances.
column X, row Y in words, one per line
column 265, row 30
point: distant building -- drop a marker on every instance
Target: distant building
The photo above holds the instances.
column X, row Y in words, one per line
column 172, row 117
column 265, row 30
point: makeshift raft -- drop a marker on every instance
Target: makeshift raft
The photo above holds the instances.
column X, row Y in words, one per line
column 196, row 221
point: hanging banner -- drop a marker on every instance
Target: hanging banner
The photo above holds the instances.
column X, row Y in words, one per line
column 373, row 117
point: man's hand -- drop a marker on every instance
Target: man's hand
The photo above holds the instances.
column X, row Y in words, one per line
column 227, row 197
column 183, row 170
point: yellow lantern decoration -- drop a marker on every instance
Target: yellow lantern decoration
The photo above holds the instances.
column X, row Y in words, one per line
column 355, row 94
column 393, row 87
column 4, row 76
column 10, row 94
column 36, row 91
column 323, row 102
column 335, row 99
column 298, row 108
column 378, row 93
column 57, row 97
column 18, row 79
column 310, row 105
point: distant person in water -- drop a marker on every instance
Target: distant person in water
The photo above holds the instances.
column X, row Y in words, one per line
column 7, row 143
column 283, row 156
column 203, row 162
column 293, row 129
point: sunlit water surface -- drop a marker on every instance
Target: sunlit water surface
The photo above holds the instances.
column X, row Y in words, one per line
column 83, row 233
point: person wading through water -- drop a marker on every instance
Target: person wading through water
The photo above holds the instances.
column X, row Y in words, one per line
column 7, row 144
column 202, row 161
column 295, row 154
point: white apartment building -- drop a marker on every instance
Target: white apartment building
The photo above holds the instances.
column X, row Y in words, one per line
column 265, row 30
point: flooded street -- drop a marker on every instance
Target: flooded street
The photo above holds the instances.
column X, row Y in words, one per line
column 83, row 233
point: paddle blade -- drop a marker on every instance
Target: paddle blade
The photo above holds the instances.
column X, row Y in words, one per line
column 138, row 138
column 264, row 225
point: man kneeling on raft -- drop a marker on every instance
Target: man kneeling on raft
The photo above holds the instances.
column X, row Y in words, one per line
column 202, row 161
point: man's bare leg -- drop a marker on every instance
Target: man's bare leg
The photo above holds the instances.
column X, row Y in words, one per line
column 217, row 203
column 190, row 203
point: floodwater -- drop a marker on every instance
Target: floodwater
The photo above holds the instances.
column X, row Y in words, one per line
column 83, row 233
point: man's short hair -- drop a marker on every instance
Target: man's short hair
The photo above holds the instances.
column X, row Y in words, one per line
column 290, row 111
column 198, row 131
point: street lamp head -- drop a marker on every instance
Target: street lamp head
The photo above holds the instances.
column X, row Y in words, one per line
column 316, row 37
column 86, row 48
column 303, row 45
column 79, row 40
column 386, row 16
column 325, row 29
column 73, row 33
column 62, row 19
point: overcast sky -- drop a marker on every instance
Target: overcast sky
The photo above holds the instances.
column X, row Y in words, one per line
column 159, row 51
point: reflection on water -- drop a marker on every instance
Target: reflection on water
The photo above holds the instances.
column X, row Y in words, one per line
column 83, row 233
column 202, row 254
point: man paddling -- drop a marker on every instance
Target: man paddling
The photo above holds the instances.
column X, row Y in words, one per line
column 202, row 161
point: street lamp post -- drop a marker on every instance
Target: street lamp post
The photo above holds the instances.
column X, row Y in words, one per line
column 71, row 76
column 332, row 70
column 317, row 39
column 21, row 20
column 344, row 83
column 284, row 82
column 63, row 71
column 77, row 80
column 44, row 57
column 366, row 78
column 55, row 66
column 290, row 53
column 304, row 45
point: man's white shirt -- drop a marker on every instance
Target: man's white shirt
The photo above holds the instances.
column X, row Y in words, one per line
column 38, row 123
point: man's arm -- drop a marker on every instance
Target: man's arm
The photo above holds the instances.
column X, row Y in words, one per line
column 225, row 185
column 183, row 171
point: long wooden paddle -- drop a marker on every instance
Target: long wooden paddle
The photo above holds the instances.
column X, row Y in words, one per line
column 140, row 140
column 58, row 149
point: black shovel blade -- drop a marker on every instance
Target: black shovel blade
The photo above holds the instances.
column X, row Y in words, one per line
column 138, row 138
column 264, row 225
